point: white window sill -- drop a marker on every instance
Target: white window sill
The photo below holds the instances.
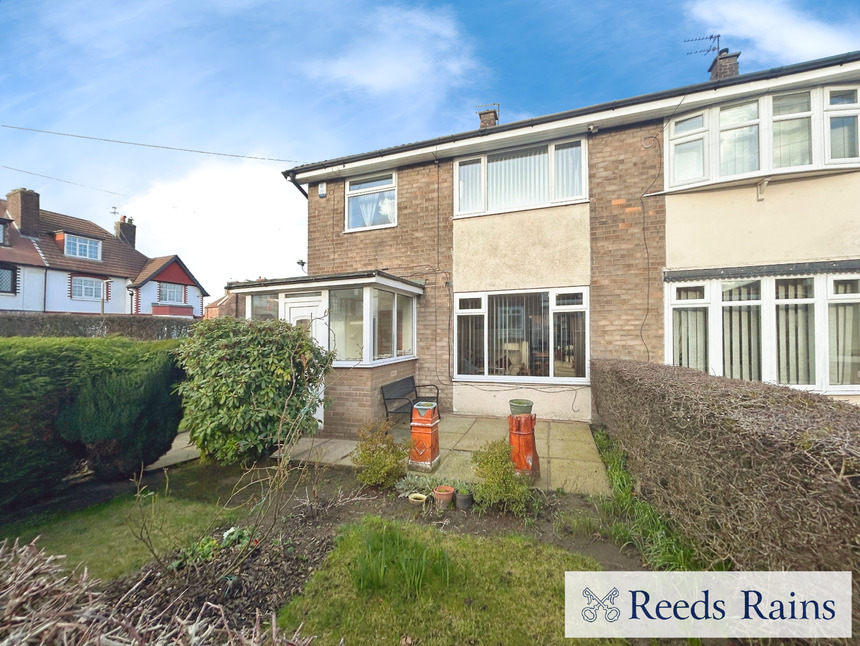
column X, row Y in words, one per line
column 374, row 228
column 522, row 209
column 750, row 179
column 340, row 363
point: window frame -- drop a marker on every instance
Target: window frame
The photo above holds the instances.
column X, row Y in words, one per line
column 823, row 297
column 166, row 286
column 13, row 279
column 348, row 193
column 552, row 309
column 550, row 148
column 819, row 114
column 83, row 281
column 77, row 240
column 368, row 350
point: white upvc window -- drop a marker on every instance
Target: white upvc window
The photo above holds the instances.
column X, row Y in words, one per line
column 371, row 325
column 521, row 178
column 790, row 131
column 83, row 247
column 171, row 293
column 87, row 289
column 801, row 331
column 371, row 202
column 842, row 110
column 524, row 336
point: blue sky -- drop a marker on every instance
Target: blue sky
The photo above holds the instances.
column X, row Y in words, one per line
column 302, row 82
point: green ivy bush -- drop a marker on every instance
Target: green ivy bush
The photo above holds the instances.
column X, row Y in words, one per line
column 502, row 488
column 50, row 383
column 382, row 461
column 250, row 386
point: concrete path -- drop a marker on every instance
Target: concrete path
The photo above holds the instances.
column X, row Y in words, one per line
column 568, row 456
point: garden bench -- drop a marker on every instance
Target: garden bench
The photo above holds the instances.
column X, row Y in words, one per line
column 401, row 395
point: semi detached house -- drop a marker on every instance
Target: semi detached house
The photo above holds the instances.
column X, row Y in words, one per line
column 714, row 226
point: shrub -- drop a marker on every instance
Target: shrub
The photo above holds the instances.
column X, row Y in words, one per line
column 47, row 380
column 250, row 386
column 381, row 459
column 502, row 487
column 762, row 475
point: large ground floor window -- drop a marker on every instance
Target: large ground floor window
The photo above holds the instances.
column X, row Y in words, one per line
column 509, row 336
column 794, row 330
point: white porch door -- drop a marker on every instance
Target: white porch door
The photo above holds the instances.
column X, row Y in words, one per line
column 308, row 312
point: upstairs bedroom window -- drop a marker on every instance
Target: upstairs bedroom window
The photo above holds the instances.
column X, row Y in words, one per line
column 83, row 247
column 792, row 131
column 371, row 203
column 521, row 178
column 4, row 237
column 171, row 293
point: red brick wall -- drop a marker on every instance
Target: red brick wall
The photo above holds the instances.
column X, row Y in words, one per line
column 626, row 280
column 419, row 248
column 356, row 396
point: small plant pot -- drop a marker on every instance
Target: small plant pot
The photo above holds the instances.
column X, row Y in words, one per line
column 417, row 499
column 443, row 494
column 464, row 500
column 521, row 406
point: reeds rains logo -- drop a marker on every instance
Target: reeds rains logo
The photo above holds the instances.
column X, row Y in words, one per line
column 708, row 604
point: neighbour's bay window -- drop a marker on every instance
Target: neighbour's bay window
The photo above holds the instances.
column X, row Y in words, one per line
column 371, row 202
column 369, row 324
column 514, row 335
column 521, row 178
column 795, row 330
column 780, row 132
column 171, row 293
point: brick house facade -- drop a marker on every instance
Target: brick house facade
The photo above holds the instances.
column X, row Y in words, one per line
column 673, row 227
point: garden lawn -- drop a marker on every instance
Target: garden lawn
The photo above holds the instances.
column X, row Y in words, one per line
column 473, row 590
column 101, row 538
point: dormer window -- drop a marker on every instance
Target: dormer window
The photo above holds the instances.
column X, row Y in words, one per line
column 83, row 247
column 4, row 236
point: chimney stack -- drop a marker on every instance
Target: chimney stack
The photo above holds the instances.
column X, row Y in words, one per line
column 724, row 66
column 126, row 230
column 23, row 207
column 489, row 118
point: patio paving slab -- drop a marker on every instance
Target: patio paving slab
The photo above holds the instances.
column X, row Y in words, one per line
column 579, row 431
column 331, row 451
column 453, row 465
column 455, row 424
column 490, row 427
column 573, row 450
column 576, row 476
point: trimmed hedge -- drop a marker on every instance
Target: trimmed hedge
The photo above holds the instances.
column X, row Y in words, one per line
column 109, row 400
column 765, row 476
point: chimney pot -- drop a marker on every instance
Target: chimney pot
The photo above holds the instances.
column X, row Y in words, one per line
column 23, row 207
column 489, row 118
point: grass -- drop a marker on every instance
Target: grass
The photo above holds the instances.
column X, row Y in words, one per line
column 628, row 519
column 100, row 536
column 436, row 588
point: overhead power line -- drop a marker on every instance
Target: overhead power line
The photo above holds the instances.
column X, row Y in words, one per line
column 134, row 143
column 64, row 181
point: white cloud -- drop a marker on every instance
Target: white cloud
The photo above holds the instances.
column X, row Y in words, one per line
column 395, row 49
column 775, row 31
column 226, row 220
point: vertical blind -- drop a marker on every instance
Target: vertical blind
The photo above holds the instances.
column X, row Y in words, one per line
column 795, row 331
column 742, row 331
column 845, row 335
column 517, row 178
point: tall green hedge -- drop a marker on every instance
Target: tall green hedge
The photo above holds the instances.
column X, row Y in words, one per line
column 243, row 377
column 109, row 400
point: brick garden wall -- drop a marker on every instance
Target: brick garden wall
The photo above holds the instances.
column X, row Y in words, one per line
column 419, row 247
column 627, row 281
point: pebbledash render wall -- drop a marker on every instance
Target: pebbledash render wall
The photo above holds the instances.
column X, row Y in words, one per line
column 418, row 248
column 628, row 242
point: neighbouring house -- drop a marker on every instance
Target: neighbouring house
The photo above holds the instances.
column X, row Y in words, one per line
column 57, row 263
column 228, row 305
column 715, row 226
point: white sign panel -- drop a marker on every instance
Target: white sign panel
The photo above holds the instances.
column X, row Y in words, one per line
column 708, row 604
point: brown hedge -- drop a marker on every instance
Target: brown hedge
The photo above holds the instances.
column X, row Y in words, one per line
column 765, row 476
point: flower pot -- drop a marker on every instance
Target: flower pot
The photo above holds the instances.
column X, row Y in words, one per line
column 464, row 500
column 417, row 499
column 443, row 495
column 521, row 406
